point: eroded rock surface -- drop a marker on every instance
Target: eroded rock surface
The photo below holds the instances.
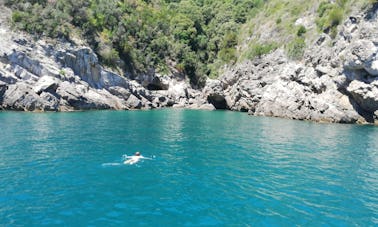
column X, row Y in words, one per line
column 52, row 75
column 337, row 81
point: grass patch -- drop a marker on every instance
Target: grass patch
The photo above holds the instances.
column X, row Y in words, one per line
column 295, row 49
column 260, row 49
column 330, row 15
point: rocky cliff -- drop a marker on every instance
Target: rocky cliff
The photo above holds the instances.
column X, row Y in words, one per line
column 52, row 75
column 337, row 80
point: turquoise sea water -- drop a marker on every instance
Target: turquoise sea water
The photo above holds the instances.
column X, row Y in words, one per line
column 208, row 168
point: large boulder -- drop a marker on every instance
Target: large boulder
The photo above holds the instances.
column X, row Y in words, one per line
column 7, row 77
column 120, row 92
column 46, row 83
column 133, row 102
column 361, row 54
column 82, row 96
column 366, row 95
column 21, row 96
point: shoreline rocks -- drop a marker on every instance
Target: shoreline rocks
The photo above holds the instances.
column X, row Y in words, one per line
column 49, row 75
column 53, row 75
column 337, row 80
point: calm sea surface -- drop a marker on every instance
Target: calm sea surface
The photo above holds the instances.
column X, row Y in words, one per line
column 208, row 168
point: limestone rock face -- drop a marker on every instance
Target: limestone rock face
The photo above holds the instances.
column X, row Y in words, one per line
column 361, row 54
column 65, row 77
column 366, row 95
column 52, row 75
column 46, row 83
column 335, row 82
column 21, row 96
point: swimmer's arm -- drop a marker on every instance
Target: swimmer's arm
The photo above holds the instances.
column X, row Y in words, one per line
column 142, row 157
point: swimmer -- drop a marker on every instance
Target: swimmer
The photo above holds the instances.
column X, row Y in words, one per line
column 134, row 159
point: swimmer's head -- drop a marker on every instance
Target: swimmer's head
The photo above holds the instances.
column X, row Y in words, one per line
column 137, row 153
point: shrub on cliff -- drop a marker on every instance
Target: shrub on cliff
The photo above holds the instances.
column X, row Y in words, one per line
column 258, row 50
column 295, row 49
column 330, row 15
column 197, row 36
column 301, row 31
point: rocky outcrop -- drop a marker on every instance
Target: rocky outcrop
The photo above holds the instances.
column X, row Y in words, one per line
column 67, row 77
column 43, row 78
column 282, row 88
column 365, row 94
column 50, row 75
column 335, row 82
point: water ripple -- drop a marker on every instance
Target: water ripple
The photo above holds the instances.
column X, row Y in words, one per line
column 211, row 168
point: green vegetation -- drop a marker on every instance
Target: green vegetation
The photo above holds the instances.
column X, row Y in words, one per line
column 285, row 22
column 301, row 31
column 275, row 26
column 257, row 50
column 330, row 15
column 295, row 49
column 62, row 72
column 196, row 37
